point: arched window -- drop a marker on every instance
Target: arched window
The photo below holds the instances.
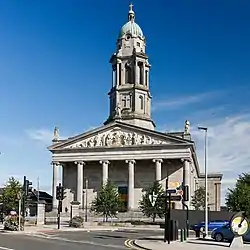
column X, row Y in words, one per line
column 146, row 78
column 141, row 77
column 128, row 74
column 141, row 101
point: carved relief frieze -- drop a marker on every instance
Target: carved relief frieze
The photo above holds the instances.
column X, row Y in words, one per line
column 117, row 138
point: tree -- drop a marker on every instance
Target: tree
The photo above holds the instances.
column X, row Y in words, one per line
column 198, row 199
column 107, row 202
column 238, row 198
column 9, row 197
column 146, row 206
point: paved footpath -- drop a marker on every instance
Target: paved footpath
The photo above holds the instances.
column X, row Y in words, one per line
column 190, row 244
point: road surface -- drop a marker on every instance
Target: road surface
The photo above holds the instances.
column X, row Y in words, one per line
column 78, row 240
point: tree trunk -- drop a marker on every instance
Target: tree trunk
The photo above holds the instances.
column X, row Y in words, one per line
column 154, row 216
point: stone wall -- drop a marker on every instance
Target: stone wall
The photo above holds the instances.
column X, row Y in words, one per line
column 214, row 190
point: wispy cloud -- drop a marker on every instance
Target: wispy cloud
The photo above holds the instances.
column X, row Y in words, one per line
column 41, row 135
column 180, row 101
column 228, row 147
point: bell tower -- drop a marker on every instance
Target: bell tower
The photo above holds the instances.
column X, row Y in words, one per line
column 130, row 98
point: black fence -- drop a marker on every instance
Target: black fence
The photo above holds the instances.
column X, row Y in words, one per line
column 196, row 216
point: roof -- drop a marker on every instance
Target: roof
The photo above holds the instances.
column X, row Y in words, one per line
column 211, row 175
column 123, row 132
column 131, row 27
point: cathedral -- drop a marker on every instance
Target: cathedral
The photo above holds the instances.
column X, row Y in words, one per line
column 127, row 149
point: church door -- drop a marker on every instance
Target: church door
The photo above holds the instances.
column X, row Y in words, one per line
column 123, row 193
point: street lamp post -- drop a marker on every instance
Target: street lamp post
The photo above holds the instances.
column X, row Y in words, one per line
column 205, row 166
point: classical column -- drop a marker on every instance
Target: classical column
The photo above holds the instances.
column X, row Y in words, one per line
column 105, row 171
column 131, row 181
column 79, row 184
column 186, row 178
column 118, row 73
column 55, row 180
column 158, row 163
column 112, row 78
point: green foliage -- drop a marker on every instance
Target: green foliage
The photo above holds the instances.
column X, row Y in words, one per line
column 10, row 194
column 238, row 198
column 107, row 202
column 77, row 221
column 11, row 223
column 198, row 199
column 146, row 206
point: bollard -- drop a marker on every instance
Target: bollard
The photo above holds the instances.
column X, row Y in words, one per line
column 182, row 238
column 185, row 234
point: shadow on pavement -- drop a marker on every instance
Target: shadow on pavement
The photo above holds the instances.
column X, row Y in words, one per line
column 210, row 242
column 127, row 231
column 150, row 238
column 109, row 236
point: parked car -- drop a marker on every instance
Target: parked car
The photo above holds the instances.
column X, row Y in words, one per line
column 224, row 234
column 211, row 225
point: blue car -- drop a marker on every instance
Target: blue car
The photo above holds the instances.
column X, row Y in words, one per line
column 224, row 234
column 211, row 225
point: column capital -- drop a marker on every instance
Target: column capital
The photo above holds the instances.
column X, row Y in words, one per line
column 80, row 163
column 55, row 163
column 104, row 162
column 130, row 161
column 186, row 159
column 157, row 160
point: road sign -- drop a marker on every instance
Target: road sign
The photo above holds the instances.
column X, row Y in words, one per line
column 172, row 191
column 152, row 197
column 239, row 226
column 174, row 187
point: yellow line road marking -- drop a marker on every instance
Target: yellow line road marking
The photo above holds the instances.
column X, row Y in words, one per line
column 130, row 244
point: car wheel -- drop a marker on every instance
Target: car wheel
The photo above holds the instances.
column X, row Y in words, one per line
column 218, row 237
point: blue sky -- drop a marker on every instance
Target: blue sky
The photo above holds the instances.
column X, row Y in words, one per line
column 54, row 70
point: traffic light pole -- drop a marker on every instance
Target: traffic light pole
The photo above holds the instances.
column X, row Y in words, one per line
column 59, row 197
column 59, row 213
column 24, row 198
column 187, row 217
column 167, row 228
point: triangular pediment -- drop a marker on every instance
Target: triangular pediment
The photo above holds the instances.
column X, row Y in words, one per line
column 118, row 134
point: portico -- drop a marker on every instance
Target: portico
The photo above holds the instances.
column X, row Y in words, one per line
column 133, row 166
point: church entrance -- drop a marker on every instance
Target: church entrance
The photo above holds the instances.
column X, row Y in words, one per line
column 123, row 193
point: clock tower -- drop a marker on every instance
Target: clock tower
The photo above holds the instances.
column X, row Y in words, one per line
column 130, row 98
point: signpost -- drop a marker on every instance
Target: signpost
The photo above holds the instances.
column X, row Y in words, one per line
column 239, row 226
column 19, row 197
column 153, row 197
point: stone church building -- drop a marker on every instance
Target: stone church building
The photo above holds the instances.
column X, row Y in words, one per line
column 127, row 150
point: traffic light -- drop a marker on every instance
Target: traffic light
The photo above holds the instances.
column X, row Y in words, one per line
column 60, row 192
column 27, row 189
column 186, row 193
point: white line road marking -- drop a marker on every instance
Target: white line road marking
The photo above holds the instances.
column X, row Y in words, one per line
column 6, row 248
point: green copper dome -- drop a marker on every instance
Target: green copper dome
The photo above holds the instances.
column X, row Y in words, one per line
column 131, row 27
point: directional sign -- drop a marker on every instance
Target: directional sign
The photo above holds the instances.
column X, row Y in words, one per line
column 153, row 197
column 172, row 191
